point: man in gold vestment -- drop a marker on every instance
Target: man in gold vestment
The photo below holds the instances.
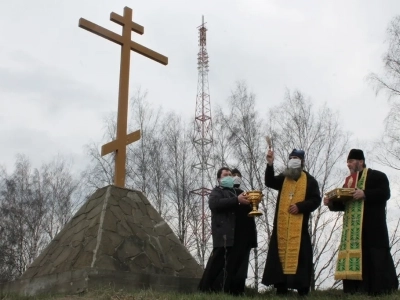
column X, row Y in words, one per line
column 289, row 262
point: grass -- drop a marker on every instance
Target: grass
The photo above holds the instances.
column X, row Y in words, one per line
column 111, row 294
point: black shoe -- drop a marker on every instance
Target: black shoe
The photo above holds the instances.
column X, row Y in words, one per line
column 303, row 292
column 281, row 291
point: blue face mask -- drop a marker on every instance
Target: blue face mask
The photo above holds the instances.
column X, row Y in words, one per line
column 227, row 182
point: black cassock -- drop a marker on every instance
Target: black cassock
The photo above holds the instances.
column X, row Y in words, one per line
column 273, row 272
column 379, row 273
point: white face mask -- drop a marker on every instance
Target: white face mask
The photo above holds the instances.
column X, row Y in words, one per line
column 237, row 180
column 294, row 163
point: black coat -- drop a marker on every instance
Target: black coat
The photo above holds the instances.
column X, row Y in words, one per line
column 379, row 273
column 228, row 217
column 273, row 272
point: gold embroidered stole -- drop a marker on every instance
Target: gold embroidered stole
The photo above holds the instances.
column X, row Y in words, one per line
column 289, row 226
column 349, row 264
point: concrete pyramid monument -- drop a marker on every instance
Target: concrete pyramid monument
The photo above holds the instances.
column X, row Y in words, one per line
column 117, row 238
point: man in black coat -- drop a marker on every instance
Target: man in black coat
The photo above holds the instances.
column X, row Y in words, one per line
column 233, row 233
column 289, row 263
column 372, row 271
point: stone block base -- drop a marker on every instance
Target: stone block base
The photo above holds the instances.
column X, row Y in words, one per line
column 81, row 281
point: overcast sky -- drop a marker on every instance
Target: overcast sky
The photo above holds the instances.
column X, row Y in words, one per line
column 58, row 81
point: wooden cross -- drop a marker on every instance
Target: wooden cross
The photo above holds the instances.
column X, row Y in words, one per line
column 123, row 139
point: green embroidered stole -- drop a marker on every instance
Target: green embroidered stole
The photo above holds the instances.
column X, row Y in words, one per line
column 349, row 264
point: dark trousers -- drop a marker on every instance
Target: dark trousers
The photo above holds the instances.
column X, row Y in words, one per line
column 226, row 270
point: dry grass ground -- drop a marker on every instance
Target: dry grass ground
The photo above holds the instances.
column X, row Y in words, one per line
column 111, row 294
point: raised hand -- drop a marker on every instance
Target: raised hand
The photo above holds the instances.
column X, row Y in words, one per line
column 270, row 157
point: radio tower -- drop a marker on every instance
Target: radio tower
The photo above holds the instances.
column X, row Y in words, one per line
column 202, row 130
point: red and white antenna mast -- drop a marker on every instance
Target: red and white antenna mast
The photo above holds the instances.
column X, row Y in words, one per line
column 203, row 130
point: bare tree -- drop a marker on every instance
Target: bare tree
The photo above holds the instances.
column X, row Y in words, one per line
column 34, row 205
column 59, row 186
column 158, row 163
column 390, row 81
column 394, row 243
column 222, row 150
column 147, row 120
column 181, row 180
column 24, row 211
column 246, row 135
column 13, row 231
column 100, row 170
column 387, row 148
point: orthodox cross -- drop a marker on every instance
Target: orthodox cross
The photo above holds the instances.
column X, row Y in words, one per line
column 291, row 194
column 123, row 139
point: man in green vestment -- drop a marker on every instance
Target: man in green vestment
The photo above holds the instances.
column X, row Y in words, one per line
column 365, row 264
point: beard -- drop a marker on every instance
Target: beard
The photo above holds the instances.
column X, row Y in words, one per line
column 293, row 174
